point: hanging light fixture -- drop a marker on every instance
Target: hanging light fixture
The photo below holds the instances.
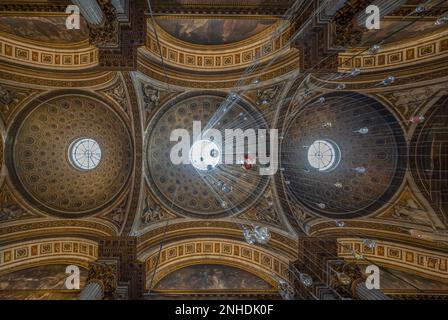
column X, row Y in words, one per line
column 259, row 234
column 389, row 80
column 417, row 119
column 286, row 290
column 341, row 86
column 249, row 236
column 441, row 21
column 369, row 243
column 420, row 8
column 338, row 185
column 363, row 130
column 226, row 189
column 340, row 223
column 247, row 162
column 355, row 71
column 360, row 170
column 374, row 49
column 262, row 234
column 306, row 280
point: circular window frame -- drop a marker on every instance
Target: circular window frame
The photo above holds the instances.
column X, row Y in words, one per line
column 212, row 161
column 75, row 162
column 336, row 155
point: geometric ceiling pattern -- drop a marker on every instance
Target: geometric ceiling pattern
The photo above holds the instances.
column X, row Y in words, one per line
column 120, row 156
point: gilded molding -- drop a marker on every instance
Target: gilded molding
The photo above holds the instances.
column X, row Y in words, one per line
column 61, row 249
column 422, row 261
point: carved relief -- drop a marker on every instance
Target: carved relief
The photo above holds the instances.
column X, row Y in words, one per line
column 9, row 209
column 118, row 214
column 151, row 97
column 118, row 93
column 265, row 97
column 409, row 209
column 151, row 212
column 264, row 211
column 9, row 98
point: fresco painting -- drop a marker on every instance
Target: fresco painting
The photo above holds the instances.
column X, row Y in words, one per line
column 211, row 277
column 213, row 31
column 43, row 29
column 44, row 282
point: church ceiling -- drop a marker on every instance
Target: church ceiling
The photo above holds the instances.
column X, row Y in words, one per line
column 114, row 145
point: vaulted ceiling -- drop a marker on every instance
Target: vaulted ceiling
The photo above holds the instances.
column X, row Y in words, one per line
column 377, row 100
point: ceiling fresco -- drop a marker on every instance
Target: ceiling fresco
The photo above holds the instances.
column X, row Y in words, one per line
column 48, row 277
column 213, row 31
column 211, row 277
column 51, row 30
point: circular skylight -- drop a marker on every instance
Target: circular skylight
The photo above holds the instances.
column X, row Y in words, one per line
column 204, row 155
column 323, row 155
column 85, row 154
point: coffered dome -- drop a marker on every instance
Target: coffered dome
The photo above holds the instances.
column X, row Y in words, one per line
column 343, row 156
column 70, row 154
column 203, row 188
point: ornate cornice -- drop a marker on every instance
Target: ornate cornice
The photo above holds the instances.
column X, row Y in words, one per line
column 397, row 55
column 26, row 254
column 421, row 261
column 184, row 79
column 222, row 229
column 224, row 7
column 268, row 265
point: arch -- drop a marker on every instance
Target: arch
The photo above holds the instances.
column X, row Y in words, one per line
column 267, row 265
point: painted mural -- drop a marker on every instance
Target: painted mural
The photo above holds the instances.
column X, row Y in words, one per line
column 44, row 29
column 211, row 277
column 44, row 282
column 213, row 31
